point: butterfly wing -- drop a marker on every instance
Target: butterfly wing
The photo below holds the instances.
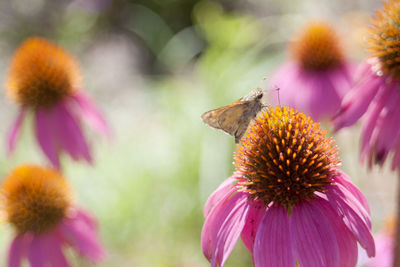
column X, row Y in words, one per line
column 234, row 120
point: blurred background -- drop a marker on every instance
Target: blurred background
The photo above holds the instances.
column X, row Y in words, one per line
column 153, row 67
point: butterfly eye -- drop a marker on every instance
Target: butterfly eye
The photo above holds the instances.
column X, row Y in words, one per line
column 260, row 95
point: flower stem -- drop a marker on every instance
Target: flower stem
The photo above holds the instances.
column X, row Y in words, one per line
column 396, row 254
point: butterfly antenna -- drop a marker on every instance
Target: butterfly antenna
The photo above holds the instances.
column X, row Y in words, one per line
column 279, row 99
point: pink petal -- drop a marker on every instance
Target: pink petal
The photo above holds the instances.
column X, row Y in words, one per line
column 222, row 228
column 314, row 239
column 45, row 135
column 17, row 251
column 15, row 131
column 356, row 102
column 396, row 156
column 91, row 114
column 53, row 249
column 256, row 213
column 371, row 119
column 273, row 244
column 344, row 180
column 390, row 127
column 347, row 244
column 225, row 188
column 354, row 215
column 69, row 134
column 80, row 232
column 37, row 253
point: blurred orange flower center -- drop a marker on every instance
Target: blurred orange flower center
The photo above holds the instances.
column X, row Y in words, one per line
column 42, row 74
column 317, row 47
column 35, row 199
column 285, row 158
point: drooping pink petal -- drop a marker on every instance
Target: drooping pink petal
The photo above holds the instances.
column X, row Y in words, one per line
column 18, row 250
column 53, row 249
column 91, row 114
column 344, row 180
column 354, row 215
column 69, row 133
column 37, row 253
column 225, row 188
column 389, row 131
column 15, row 131
column 396, row 156
column 222, row 228
column 371, row 120
column 273, row 244
column 356, row 102
column 81, row 233
column 347, row 244
column 313, row 237
column 341, row 78
column 256, row 213
column 45, row 135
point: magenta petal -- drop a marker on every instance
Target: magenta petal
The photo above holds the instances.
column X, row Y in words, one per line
column 17, row 251
column 389, row 129
column 53, row 249
column 222, row 228
column 256, row 213
column 384, row 251
column 81, row 233
column 273, row 244
column 347, row 244
column 356, row 102
column 313, row 236
column 354, row 215
column 46, row 136
column 220, row 193
column 15, row 131
column 91, row 114
column 344, row 180
column 69, row 133
column 37, row 252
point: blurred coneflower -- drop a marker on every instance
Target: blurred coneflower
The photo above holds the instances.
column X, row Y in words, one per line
column 287, row 199
column 376, row 94
column 317, row 76
column 45, row 79
column 37, row 203
column 384, row 245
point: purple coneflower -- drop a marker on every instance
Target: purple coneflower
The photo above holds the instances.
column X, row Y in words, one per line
column 376, row 94
column 45, row 79
column 317, row 77
column 384, row 245
column 287, row 199
column 37, row 203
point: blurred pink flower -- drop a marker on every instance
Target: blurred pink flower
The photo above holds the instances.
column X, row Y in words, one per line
column 376, row 95
column 317, row 77
column 384, row 251
column 79, row 231
column 37, row 202
column 45, row 79
column 287, row 200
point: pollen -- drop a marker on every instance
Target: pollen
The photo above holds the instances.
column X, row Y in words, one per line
column 35, row 199
column 285, row 158
column 317, row 47
column 42, row 74
column 384, row 39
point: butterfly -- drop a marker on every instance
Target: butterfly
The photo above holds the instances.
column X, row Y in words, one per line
column 236, row 117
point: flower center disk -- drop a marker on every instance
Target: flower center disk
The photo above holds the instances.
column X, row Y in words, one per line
column 285, row 158
column 42, row 74
column 384, row 41
column 317, row 47
column 36, row 199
